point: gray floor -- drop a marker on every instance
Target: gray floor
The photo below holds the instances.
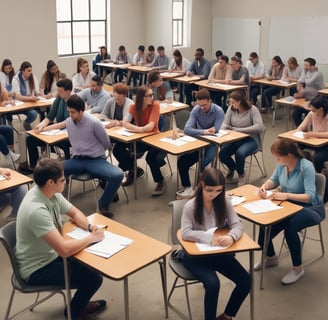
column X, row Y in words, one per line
column 303, row 300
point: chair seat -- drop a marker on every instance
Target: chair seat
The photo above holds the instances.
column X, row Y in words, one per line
column 27, row 288
column 180, row 270
column 82, row 176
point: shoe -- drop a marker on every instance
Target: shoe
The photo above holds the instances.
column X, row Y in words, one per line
column 95, row 306
column 229, row 179
column 140, row 173
column 116, row 198
column 292, row 276
column 263, row 110
column 27, row 126
column 241, row 181
column 185, row 193
column 269, row 263
column 24, row 170
column 105, row 212
column 160, row 188
column 223, row 317
column 11, row 218
column 14, row 156
column 129, row 179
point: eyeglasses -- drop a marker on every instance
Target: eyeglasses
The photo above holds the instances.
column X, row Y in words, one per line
column 149, row 95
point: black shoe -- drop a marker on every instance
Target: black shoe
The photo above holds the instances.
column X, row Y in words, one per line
column 105, row 212
column 140, row 173
column 116, row 198
column 95, row 306
column 129, row 179
column 24, row 170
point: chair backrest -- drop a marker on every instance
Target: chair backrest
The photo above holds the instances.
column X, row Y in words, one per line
column 8, row 239
column 181, row 117
column 320, row 184
column 177, row 208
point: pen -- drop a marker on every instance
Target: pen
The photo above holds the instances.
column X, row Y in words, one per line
column 280, row 203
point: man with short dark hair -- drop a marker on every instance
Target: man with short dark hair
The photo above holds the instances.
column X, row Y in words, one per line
column 161, row 60
column 89, row 142
column 41, row 247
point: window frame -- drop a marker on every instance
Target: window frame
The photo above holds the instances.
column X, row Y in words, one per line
column 180, row 22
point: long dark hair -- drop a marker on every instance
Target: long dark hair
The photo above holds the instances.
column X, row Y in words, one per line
column 211, row 177
column 283, row 147
column 11, row 74
column 141, row 92
column 25, row 65
column 320, row 102
column 49, row 77
column 240, row 96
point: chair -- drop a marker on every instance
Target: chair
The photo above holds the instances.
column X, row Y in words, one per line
column 254, row 154
column 176, row 265
column 320, row 183
column 8, row 239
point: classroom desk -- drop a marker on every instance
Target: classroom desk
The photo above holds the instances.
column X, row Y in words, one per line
column 139, row 69
column 17, row 179
column 155, row 141
column 167, row 109
column 311, row 142
column 114, row 134
column 289, row 103
column 264, row 220
column 187, row 79
column 220, row 86
column 323, row 91
column 112, row 65
column 143, row 252
column 232, row 136
column 25, row 106
column 243, row 244
column 171, row 75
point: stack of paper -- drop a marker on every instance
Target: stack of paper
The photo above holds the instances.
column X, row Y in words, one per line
column 261, row 206
column 180, row 141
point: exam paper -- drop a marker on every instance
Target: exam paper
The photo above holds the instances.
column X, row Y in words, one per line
column 261, row 206
column 2, row 178
column 178, row 142
column 235, row 200
column 53, row 132
column 299, row 134
column 123, row 132
column 208, row 247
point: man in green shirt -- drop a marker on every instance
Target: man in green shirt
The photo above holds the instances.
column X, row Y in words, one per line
column 41, row 247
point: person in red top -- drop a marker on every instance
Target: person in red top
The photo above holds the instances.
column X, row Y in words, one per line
column 143, row 116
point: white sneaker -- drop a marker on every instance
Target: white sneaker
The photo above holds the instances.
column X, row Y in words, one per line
column 269, row 263
column 14, row 156
column 185, row 193
column 292, row 276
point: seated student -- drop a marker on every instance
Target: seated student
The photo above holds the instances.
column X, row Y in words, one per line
column 102, row 56
column 41, row 246
column 310, row 81
column 7, row 144
column 244, row 117
column 82, row 78
column 315, row 125
column 150, row 55
column 26, row 88
column 56, row 119
column 48, row 88
column 274, row 73
column 121, row 58
column 200, row 67
column 161, row 89
column 161, row 61
column 292, row 73
column 294, row 180
column 139, row 59
column 218, row 54
column 16, row 194
column 205, row 118
column 240, row 73
column 95, row 97
column 145, row 113
column 256, row 71
column 211, row 208
column 238, row 55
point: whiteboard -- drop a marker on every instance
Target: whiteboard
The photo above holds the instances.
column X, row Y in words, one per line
column 236, row 34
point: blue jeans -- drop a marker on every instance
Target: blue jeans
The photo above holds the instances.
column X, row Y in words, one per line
column 17, row 195
column 267, row 95
column 30, row 116
column 307, row 217
column 100, row 169
column 6, row 138
column 82, row 278
column 242, row 149
column 189, row 159
column 298, row 114
column 204, row 269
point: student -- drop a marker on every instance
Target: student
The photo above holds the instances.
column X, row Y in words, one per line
column 292, row 72
column 7, row 144
column 240, row 73
column 139, row 59
column 82, row 78
column 102, row 56
column 275, row 72
column 161, row 89
column 145, row 113
column 256, row 71
column 121, row 58
column 48, row 88
column 25, row 86
column 7, row 74
column 95, row 97
column 16, row 194
column 218, row 54
column 241, row 116
column 89, row 142
column 310, row 81
column 56, row 119
column 41, row 247
column 211, row 208
column 205, row 118
column 150, row 55
column 161, row 60
column 293, row 180
column 200, row 67
column 315, row 125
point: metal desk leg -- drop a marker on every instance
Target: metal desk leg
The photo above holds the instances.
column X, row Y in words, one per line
column 135, row 169
column 251, row 268
column 267, row 231
column 162, row 266
column 126, row 298
column 68, row 290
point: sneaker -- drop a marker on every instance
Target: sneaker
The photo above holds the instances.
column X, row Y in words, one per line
column 185, row 193
column 95, row 306
column 223, row 317
column 269, row 263
column 14, row 156
column 160, row 188
column 292, row 276
column 129, row 179
column 140, row 173
column 241, row 181
column 229, row 177
column 27, row 126
column 263, row 110
column 105, row 212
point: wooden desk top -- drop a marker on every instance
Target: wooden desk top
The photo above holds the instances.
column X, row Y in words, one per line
column 276, row 83
column 171, row 75
column 49, row 139
column 250, row 192
column 108, row 88
column 186, row 79
column 323, row 91
column 25, row 106
column 17, row 179
column 155, row 141
column 220, row 86
column 112, row 133
column 232, row 136
column 293, row 103
column 244, row 243
column 142, row 69
column 172, row 108
column 313, row 142
column 114, row 65
column 142, row 252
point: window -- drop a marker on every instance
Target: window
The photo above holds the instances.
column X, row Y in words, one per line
column 181, row 18
column 81, row 26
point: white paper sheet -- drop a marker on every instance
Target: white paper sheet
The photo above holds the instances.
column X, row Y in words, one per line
column 123, row 132
column 235, row 200
column 261, row 206
column 2, row 178
column 207, row 247
column 299, row 134
column 178, row 142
